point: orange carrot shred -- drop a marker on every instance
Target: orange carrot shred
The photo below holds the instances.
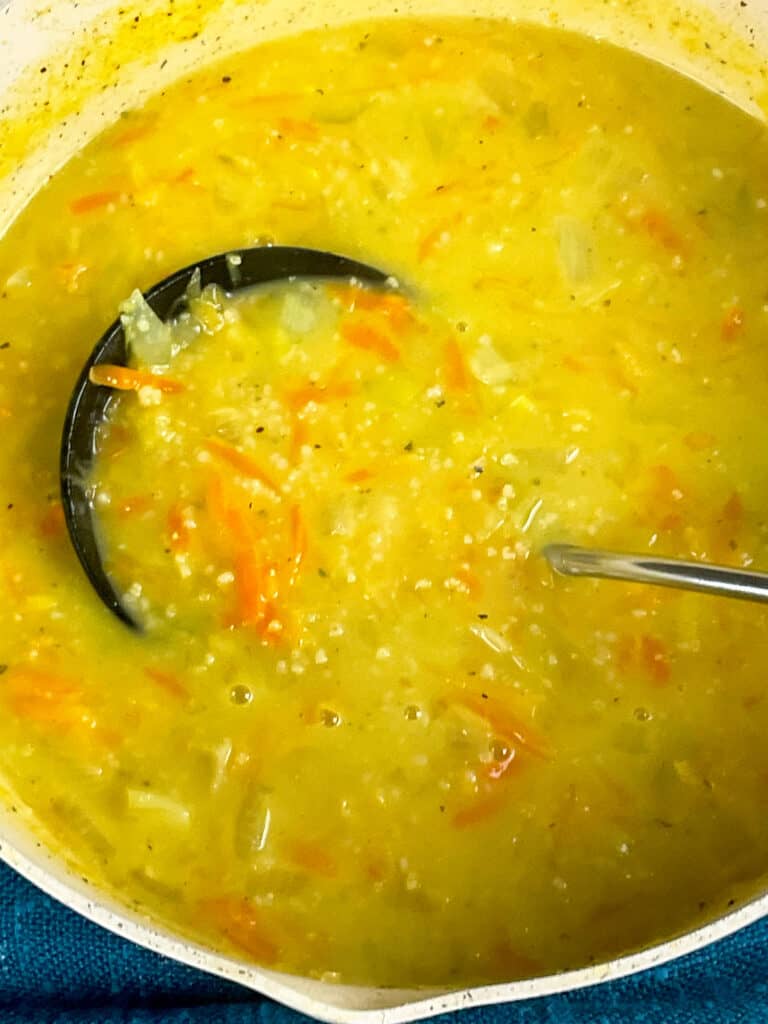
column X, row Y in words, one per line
column 93, row 201
column 243, row 924
column 44, row 697
column 733, row 324
column 470, row 580
column 480, row 810
column 393, row 305
column 312, row 857
column 299, row 436
column 187, row 176
column 136, row 503
column 733, row 510
column 655, row 659
column 368, row 339
column 167, row 681
column 52, row 524
column 123, row 378
column 244, row 464
column 358, row 476
column 456, row 374
column 305, row 131
column 659, row 228
column 300, row 397
column 505, row 723
column 433, row 239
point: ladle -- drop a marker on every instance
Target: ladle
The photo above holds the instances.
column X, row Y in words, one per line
column 246, row 268
column 89, row 404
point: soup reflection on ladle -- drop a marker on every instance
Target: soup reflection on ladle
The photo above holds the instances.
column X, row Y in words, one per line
column 248, row 268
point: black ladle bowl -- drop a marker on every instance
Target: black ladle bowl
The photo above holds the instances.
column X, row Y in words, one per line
column 88, row 407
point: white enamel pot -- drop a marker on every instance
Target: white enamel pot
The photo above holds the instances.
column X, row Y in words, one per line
column 54, row 61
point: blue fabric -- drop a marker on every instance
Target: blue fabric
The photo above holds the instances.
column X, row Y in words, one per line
column 57, row 967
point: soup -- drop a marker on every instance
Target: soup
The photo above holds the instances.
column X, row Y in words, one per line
column 367, row 736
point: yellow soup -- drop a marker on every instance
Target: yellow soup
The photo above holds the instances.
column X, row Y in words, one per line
column 366, row 735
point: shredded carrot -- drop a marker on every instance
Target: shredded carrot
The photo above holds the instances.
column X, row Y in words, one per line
column 670, row 523
column 358, row 476
column 393, row 305
column 225, row 513
column 52, row 524
column 470, row 580
column 456, row 373
column 43, row 696
column 168, row 681
column 434, row 238
column 665, row 485
column 241, row 544
column 253, row 604
column 733, row 511
column 733, row 324
column 185, row 177
column 375, row 869
column 244, row 464
column 659, row 227
column 299, row 436
column 298, row 398
column 504, row 723
column 304, row 131
column 312, row 857
column 655, row 658
column 369, row 339
column 137, row 503
column 699, row 440
column 243, row 924
column 94, row 201
column 178, row 530
column 258, row 580
column 123, row 378
column 480, row 810
column 726, row 529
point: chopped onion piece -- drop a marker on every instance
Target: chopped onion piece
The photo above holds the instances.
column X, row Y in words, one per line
column 145, row 800
column 576, row 251
column 489, row 366
column 147, row 337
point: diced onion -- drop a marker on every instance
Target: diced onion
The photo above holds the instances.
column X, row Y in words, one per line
column 147, row 337
column 575, row 247
column 146, row 800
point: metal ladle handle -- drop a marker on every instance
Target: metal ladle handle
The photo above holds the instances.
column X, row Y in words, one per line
column 569, row 560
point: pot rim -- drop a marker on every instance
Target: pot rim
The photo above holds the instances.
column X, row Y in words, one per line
column 393, row 1006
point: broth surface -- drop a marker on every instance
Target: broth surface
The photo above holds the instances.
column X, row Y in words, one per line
column 442, row 765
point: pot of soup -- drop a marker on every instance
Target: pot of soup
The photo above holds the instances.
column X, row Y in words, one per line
column 362, row 751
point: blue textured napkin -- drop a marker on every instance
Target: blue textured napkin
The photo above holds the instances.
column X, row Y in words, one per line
column 57, row 967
